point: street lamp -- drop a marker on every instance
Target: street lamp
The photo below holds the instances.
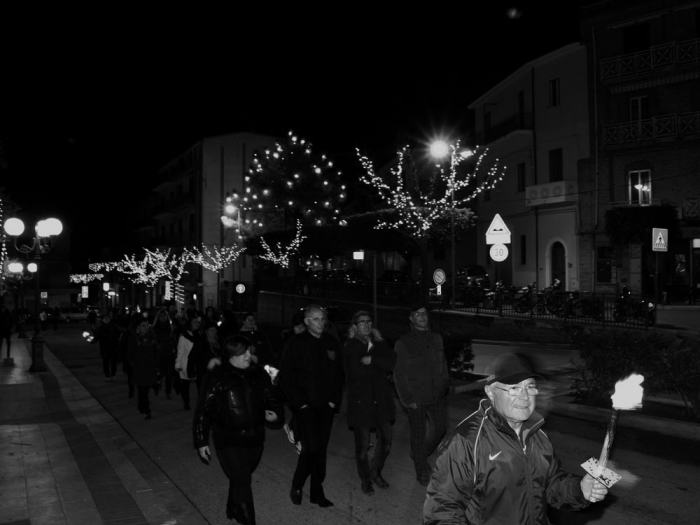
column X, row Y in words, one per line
column 439, row 149
column 43, row 231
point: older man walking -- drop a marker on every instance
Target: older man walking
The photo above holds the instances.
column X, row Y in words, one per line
column 310, row 377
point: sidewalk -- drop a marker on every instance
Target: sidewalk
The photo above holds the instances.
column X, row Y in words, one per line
column 65, row 460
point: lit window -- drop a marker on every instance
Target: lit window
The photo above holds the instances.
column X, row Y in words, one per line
column 640, row 187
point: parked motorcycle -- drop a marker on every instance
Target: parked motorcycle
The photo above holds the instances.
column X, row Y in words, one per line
column 550, row 300
column 525, row 298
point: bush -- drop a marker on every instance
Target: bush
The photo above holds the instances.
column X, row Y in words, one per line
column 668, row 364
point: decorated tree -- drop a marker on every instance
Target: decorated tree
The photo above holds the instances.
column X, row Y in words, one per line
column 426, row 200
column 293, row 179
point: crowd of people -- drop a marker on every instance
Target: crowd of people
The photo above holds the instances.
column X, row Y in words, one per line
column 497, row 466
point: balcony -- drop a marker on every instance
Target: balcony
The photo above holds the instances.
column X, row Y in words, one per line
column 516, row 122
column 652, row 129
column 655, row 58
column 560, row 192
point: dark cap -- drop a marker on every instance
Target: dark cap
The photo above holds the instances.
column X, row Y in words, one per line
column 417, row 306
column 510, row 369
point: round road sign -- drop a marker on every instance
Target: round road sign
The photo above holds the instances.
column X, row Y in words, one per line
column 499, row 252
column 240, row 288
column 439, row 277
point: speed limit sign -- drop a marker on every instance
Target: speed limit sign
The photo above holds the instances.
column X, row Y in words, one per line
column 499, row 252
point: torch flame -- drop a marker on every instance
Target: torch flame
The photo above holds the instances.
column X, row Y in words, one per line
column 628, row 393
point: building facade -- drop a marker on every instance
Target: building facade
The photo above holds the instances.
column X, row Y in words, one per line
column 644, row 100
column 535, row 123
column 184, row 210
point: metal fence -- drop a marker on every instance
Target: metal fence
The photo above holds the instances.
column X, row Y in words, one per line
column 631, row 311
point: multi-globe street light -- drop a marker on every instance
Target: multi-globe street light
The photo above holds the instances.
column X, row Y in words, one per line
column 41, row 244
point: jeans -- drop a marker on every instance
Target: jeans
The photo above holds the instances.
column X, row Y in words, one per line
column 381, row 450
column 421, row 445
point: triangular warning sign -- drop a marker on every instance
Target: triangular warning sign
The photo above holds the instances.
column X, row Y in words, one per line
column 660, row 243
column 497, row 232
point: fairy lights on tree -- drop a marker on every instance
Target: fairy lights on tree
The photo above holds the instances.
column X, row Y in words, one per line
column 291, row 177
column 85, row 278
column 154, row 265
column 421, row 202
column 282, row 256
column 216, row 259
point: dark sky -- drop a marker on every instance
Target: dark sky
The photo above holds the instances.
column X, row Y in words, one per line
column 99, row 100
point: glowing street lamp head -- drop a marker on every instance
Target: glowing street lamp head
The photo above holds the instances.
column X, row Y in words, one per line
column 15, row 267
column 14, row 227
column 230, row 209
column 439, row 149
column 32, row 267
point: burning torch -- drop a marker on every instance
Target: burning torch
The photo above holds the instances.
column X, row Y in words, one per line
column 628, row 396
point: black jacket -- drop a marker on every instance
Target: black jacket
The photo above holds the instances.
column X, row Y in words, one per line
column 232, row 405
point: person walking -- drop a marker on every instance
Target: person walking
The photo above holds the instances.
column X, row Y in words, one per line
column 108, row 334
column 263, row 354
column 165, row 340
column 422, row 380
column 7, row 326
column 498, row 466
column 237, row 401
column 143, row 357
column 368, row 360
column 298, row 327
column 310, row 368
column 204, row 350
column 184, row 366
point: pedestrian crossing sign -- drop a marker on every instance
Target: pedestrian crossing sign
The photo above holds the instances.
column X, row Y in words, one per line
column 659, row 238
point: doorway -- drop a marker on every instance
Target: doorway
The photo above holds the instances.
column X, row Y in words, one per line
column 558, row 264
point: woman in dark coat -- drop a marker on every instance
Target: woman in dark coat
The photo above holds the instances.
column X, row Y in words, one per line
column 368, row 360
column 237, row 400
column 143, row 357
column 165, row 341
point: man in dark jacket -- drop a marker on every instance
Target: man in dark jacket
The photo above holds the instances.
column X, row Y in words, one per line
column 422, row 381
column 311, row 368
column 497, row 466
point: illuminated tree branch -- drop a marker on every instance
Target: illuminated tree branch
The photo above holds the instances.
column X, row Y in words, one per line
column 283, row 254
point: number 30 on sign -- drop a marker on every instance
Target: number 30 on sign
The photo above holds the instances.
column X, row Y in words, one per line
column 499, row 252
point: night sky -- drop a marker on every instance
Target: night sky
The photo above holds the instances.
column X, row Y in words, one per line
column 99, row 100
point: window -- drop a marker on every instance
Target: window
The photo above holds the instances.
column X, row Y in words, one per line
column 523, row 249
column 639, row 108
column 554, row 99
column 556, row 165
column 521, row 176
column 640, row 187
column 604, row 264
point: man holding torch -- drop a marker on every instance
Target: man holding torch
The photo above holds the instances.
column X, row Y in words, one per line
column 498, row 466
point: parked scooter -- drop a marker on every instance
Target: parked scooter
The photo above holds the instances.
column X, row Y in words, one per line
column 627, row 308
column 525, row 298
column 550, row 300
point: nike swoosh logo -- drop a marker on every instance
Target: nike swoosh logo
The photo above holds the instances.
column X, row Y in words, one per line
column 494, row 456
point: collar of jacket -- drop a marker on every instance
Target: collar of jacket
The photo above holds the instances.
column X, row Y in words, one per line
column 528, row 428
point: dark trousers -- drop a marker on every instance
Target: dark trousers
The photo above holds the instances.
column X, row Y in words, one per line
column 185, row 391
column 424, row 442
column 314, row 428
column 239, row 463
column 144, row 402
column 381, row 450
column 109, row 364
column 166, row 369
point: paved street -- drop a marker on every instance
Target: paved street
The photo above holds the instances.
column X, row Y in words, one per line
column 157, row 465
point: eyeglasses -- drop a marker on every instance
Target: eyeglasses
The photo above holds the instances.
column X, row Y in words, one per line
column 317, row 319
column 516, row 391
column 420, row 314
column 364, row 322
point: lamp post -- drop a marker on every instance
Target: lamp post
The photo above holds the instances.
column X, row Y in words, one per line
column 43, row 231
column 19, row 275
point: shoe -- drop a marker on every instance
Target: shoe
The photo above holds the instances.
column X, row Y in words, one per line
column 290, row 433
column 295, row 496
column 243, row 513
column 367, row 487
column 379, row 481
column 321, row 502
column 148, row 415
column 423, row 479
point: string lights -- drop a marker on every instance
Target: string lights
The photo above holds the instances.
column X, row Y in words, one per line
column 419, row 207
column 291, row 177
column 218, row 258
column 283, row 254
column 85, row 278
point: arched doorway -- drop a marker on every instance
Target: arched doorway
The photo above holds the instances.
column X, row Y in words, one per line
column 558, row 264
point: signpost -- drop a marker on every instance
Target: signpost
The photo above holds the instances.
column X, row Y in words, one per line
column 498, row 235
column 659, row 243
column 439, row 279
